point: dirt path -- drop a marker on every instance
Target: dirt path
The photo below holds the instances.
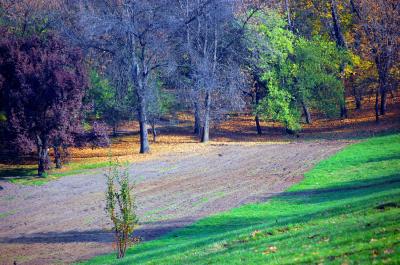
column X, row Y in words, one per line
column 64, row 220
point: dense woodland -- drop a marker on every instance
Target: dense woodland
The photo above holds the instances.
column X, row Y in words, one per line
column 72, row 72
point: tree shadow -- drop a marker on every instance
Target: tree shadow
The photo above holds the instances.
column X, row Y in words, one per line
column 177, row 237
column 145, row 232
column 17, row 173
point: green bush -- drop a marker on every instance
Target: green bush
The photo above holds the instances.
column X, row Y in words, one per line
column 120, row 206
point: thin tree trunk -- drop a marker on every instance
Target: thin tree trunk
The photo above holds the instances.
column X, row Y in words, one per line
column 336, row 26
column 382, row 64
column 340, row 41
column 197, row 123
column 356, row 95
column 258, row 125
column 153, row 130
column 358, row 102
column 57, row 157
column 307, row 113
column 257, row 118
column 343, row 109
column 144, row 141
column 43, row 156
column 289, row 18
column 383, row 99
column 205, row 137
column 377, row 105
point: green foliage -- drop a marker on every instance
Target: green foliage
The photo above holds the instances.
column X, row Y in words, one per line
column 3, row 116
column 120, row 206
column 298, row 72
column 277, row 106
column 275, row 46
column 318, row 83
column 108, row 105
column 159, row 102
column 345, row 211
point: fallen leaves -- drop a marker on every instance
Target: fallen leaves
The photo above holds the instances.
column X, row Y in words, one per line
column 270, row 250
column 388, row 251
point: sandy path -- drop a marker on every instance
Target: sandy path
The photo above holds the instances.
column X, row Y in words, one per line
column 64, row 220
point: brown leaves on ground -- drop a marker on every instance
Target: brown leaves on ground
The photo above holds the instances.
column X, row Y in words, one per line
column 270, row 250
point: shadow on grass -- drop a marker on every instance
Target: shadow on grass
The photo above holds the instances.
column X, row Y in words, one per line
column 17, row 173
column 332, row 202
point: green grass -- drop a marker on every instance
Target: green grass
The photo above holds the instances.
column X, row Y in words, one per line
column 345, row 211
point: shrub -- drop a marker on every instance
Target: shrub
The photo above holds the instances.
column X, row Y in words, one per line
column 120, row 206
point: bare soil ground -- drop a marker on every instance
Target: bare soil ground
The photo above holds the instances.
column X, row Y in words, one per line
column 64, row 220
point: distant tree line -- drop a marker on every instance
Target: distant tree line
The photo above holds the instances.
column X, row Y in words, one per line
column 71, row 72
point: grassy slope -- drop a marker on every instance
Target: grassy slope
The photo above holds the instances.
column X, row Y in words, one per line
column 332, row 217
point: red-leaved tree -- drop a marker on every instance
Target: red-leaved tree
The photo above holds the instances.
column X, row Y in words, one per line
column 43, row 81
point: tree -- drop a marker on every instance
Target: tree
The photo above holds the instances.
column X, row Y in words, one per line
column 159, row 103
column 273, row 45
column 341, row 43
column 298, row 73
column 380, row 20
column 107, row 104
column 135, row 34
column 120, row 206
column 44, row 81
column 211, row 70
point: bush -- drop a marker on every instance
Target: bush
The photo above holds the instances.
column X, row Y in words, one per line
column 120, row 206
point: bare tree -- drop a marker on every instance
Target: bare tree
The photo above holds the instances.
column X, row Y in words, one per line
column 211, row 67
column 135, row 33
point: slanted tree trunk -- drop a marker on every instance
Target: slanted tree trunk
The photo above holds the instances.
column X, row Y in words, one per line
column 57, row 156
column 307, row 113
column 340, row 41
column 289, row 17
column 205, row 137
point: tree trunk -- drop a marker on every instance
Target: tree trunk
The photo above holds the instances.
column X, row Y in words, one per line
column 197, row 123
column 307, row 113
column 153, row 130
column 358, row 102
column 205, row 137
column 377, row 105
column 383, row 99
column 258, row 126
column 357, row 97
column 382, row 63
column 257, row 118
column 289, row 17
column 341, row 42
column 144, row 141
column 43, row 156
column 343, row 109
column 57, row 157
